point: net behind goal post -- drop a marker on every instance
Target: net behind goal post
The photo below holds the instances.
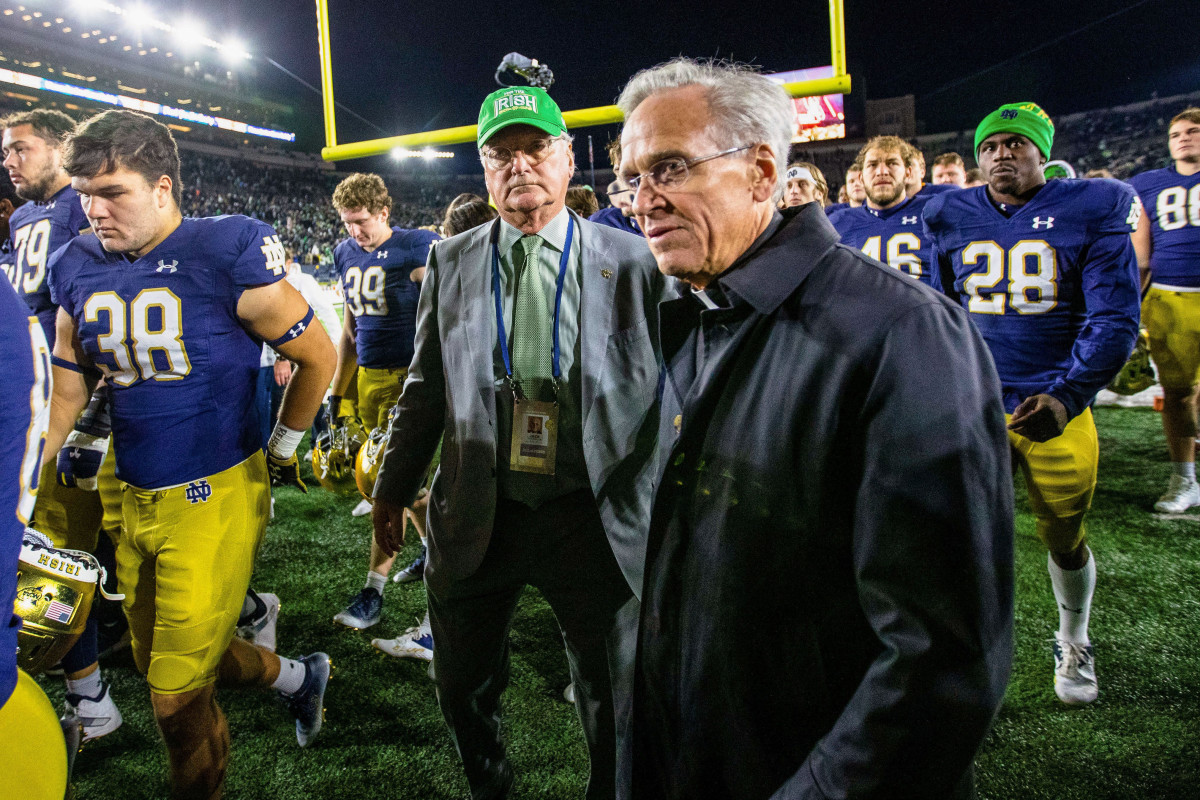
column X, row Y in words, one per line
column 839, row 83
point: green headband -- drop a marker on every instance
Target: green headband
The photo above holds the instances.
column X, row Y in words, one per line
column 1027, row 119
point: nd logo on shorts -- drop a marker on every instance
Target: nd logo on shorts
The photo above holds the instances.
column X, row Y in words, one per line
column 198, row 491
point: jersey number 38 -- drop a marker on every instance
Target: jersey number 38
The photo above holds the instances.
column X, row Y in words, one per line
column 144, row 337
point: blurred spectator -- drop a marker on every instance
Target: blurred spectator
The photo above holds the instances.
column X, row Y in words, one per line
column 974, row 178
column 468, row 215
column 582, row 200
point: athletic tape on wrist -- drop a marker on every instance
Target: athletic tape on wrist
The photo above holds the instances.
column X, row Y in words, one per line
column 284, row 441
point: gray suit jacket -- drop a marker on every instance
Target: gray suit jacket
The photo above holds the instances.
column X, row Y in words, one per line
column 451, row 390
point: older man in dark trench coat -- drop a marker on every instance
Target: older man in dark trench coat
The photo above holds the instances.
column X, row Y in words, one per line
column 827, row 609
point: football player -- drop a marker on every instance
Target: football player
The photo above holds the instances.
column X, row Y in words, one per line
column 853, row 188
column 1168, row 250
column 805, row 184
column 172, row 311
column 1048, row 273
column 28, row 725
column 916, row 185
column 949, row 169
column 380, row 268
column 888, row 227
column 70, row 515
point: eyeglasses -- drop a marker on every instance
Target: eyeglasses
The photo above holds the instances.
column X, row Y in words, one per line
column 536, row 151
column 671, row 173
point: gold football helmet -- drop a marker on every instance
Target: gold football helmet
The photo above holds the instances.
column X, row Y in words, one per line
column 334, row 453
column 366, row 465
column 55, row 589
column 1138, row 373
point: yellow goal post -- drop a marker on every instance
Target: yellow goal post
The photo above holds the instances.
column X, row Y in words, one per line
column 839, row 83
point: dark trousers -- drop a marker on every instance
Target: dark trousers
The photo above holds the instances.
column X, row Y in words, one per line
column 559, row 548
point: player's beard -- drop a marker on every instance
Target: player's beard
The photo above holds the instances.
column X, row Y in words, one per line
column 38, row 187
column 885, row 197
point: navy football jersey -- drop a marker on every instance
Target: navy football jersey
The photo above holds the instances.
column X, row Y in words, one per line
column 26, row 362
column 930, row 189
column 381, row 295
column 1171, row 206
column 35, row 231
column 892, row 235
column 1052, row 288
column 164, row 331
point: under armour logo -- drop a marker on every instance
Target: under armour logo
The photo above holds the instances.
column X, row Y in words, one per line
column 198, row 492
column 296, row 330
column 163, row 266
column 908, row 220
column 1038, row 222
column 74, row 453
column 1009, row 113
column 382, row 253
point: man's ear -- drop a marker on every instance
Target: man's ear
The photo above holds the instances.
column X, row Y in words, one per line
column 765, row 173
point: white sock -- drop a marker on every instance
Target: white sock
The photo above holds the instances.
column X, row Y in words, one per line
column 1073, row 590
column 423, row 542
column 1186, row 469
column 89, row 687
column 291, row 676
column 375, row 581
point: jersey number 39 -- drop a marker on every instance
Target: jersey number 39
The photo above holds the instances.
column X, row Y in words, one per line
column 144, row 337
column 364, row 291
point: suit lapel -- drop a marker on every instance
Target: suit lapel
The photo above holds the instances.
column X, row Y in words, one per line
column 597, row 307
column 474, row 268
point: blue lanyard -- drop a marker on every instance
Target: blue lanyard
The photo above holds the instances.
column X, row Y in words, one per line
column 558, row 291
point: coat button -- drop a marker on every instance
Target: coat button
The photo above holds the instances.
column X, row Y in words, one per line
column 678, row 422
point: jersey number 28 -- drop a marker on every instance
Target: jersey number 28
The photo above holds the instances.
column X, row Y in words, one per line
column 1031, row 267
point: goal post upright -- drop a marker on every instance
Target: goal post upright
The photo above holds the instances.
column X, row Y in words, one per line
column 838, row 83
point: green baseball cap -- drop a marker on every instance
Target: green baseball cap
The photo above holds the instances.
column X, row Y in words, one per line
column 518, row 105
column 1027, row 119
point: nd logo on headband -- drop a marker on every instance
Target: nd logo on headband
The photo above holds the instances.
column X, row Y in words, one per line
column 514, row 101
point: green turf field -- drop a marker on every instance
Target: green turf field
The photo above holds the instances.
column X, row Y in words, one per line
column 384, row 736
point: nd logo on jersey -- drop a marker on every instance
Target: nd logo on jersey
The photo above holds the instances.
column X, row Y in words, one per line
column 276, row 256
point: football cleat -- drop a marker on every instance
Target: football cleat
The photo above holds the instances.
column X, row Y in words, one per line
column 364, row 610
column 1182, row 493
column 569, row 693
column 99, row 716
column 414, row 571
column 362, row 509
column 416, row 642
column 260, row 629
column 1074, row 673
column 307, row 704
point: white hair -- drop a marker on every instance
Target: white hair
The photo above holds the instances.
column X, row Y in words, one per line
column 747, row 108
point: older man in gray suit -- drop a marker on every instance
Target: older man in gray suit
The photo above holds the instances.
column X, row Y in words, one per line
column 536, row 357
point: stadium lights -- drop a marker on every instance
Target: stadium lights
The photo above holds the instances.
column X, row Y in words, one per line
column 427, row 154
column 138, row 17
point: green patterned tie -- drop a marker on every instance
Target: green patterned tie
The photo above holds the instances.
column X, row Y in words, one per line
column 532, row 339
